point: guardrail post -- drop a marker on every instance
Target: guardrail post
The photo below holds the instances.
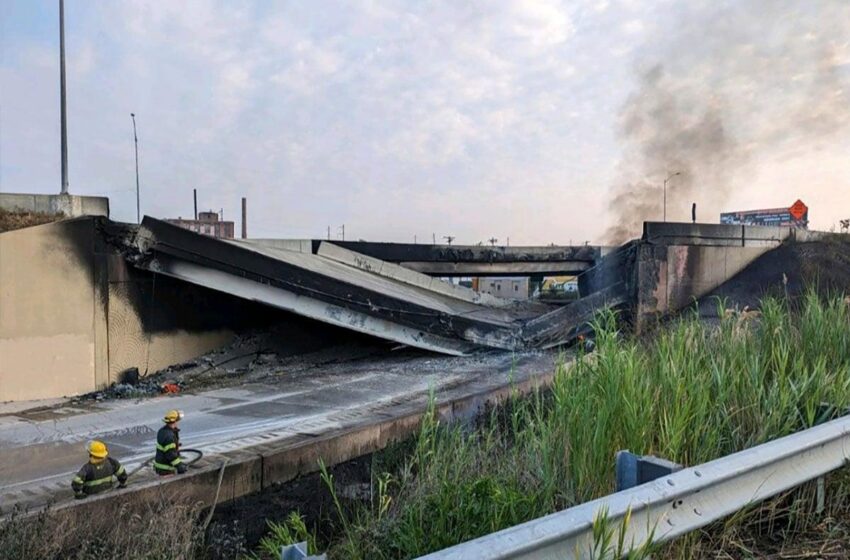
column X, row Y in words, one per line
column 634, row 470
column 298, row 551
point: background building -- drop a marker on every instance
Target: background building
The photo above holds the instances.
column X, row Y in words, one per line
column 509, row 288
column 207, row 223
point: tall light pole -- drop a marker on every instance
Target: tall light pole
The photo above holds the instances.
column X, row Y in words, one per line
column 665, row 191
column 136, row 144
column 63, row 115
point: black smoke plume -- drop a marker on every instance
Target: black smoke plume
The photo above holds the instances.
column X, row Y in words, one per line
column 737, row 85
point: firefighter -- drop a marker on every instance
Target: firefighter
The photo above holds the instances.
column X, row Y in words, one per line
column 167, row 460
column 96, row 475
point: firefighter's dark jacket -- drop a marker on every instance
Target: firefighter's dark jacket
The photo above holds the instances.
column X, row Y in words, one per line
column 97, row 477
column 167, row 460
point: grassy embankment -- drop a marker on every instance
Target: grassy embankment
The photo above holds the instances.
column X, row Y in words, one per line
column 693, row 393
column 10, row 221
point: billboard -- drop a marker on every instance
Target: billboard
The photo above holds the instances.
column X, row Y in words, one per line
column 796, row 215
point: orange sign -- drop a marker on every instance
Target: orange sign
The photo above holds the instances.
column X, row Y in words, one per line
column 798, row 210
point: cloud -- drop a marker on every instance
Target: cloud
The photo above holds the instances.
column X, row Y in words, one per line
column 396, row 118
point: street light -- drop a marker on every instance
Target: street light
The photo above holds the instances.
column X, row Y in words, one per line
column 665, row 191
column 136, row 144
column 62, row 110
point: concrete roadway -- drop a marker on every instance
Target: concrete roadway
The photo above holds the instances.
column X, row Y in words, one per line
column 40, row 449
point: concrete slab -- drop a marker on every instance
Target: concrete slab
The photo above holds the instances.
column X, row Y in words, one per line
column 340, row 293
column 408, row 276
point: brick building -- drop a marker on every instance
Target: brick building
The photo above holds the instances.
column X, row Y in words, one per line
column 208, row 223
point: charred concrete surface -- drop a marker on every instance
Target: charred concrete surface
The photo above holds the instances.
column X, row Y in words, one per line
column 262, row 433
column 469, row 260
column 344, row 290
column 675, row 265
column 74, row 313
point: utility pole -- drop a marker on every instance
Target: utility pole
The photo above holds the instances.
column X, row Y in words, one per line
column 665, row 191
column 342, row 231
column 492, row 241
column 329, row 233
column 449, row 238
column 433, row 239
column 62, row 109
column 195, row 196
column 136, row 144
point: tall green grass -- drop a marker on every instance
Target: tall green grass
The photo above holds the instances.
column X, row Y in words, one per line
column 692, row 393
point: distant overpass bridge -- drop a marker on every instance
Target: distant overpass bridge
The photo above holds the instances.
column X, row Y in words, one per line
column 467, row 260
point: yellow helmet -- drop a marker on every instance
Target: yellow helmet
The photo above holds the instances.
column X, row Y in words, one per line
column 172, row 416
column 97, row 449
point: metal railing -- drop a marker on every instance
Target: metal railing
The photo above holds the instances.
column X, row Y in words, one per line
column 674, row 504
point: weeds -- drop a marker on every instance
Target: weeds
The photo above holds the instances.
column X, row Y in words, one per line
column 159, row 531
column 291, row 531
column 694, row 393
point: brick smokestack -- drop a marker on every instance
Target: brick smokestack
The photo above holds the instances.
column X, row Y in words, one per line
column 244, row 218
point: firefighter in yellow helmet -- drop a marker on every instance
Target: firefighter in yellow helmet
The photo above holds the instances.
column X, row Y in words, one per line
column 97, row 475
column 167, row 460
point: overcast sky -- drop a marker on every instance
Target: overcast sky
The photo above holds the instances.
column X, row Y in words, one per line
column 401, row 119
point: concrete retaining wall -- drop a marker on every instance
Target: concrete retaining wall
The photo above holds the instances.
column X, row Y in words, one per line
column 52, row 314
column 73, row 315
column 71, row 206
column 670, row 278
column 679, row 263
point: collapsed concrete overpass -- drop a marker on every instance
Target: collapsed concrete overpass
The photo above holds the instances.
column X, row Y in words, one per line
column 86, row 299
column 333, row 284
column 83, row 300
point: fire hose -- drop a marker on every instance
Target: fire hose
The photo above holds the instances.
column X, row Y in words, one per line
column 198, row 454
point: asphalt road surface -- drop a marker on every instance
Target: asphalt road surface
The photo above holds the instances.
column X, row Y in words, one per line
column 41, row 449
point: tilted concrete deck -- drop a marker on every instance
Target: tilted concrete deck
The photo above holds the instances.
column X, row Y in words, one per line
column 264, row 433
column 339, row 288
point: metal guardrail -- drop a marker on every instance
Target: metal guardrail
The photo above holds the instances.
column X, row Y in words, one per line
column 672, row 505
